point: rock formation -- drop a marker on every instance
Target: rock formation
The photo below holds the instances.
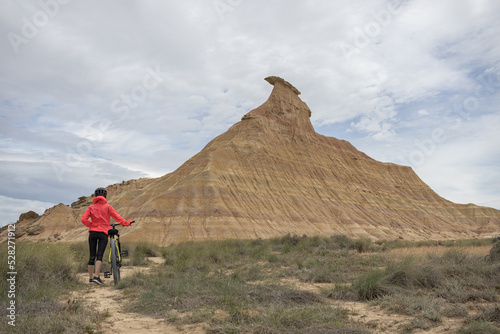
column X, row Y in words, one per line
column 272, row 174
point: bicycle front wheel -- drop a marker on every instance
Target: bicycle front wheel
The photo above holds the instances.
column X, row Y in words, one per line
column 114, row 261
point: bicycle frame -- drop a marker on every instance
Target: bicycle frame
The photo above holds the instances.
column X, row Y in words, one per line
column 115, row 254
column 117, row 244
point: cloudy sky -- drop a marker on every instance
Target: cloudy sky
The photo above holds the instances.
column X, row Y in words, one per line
column 96, row 92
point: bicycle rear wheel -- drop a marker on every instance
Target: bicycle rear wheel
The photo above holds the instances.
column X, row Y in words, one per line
column 114, row 261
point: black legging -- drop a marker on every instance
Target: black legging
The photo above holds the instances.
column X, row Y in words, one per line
column 97, row 240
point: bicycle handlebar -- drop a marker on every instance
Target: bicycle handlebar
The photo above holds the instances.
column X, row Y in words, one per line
column 114, row 224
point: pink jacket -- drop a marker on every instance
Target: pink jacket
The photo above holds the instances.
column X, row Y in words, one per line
column 100, row 212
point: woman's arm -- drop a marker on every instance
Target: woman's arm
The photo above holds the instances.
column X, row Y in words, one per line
column 85, row 218
column 118, row 218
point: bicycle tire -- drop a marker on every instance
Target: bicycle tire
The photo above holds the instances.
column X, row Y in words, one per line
column 114, row 261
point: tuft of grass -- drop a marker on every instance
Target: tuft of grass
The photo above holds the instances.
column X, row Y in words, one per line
column 371, row 285
column 340, row 292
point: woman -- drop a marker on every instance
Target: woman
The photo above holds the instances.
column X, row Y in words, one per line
column 99, row 213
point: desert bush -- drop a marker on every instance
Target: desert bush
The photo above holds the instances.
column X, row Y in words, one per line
column 371, row 285
column 292, row 239
column 414, row 304
column 341, row 241
column 272, row 258
column 378, row 282
column 340, row 292
column 489, row 314
column 479, row 327
column 455, row 311
column 418, row 323
column 410, row 273
column 454, row 291
column 362, row 245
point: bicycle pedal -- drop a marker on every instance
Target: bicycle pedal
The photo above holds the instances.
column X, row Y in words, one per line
column 124, row 253
column 107, row 274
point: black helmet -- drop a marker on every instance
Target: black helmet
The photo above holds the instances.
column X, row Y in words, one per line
column 101, row 192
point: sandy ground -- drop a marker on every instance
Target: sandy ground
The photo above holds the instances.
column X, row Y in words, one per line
column 382, row 322
column 105, row 298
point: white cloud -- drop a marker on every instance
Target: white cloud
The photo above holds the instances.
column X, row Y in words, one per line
column 12, row 208
column 466, row 168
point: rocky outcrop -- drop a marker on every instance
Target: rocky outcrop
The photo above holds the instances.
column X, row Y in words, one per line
column 271, row 174
column 30, row 215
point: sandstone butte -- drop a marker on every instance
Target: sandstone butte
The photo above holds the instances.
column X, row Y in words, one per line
column 271, row 174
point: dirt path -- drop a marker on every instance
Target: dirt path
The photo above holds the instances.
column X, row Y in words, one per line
column 106, row 299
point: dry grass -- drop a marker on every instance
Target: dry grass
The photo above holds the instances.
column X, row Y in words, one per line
column 282, row 285
column 401, row 253
column 45, row 272
column 257, row 284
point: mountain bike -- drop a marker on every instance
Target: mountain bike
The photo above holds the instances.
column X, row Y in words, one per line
column 115, row 253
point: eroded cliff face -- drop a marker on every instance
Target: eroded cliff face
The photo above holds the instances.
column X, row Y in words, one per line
column 272, row 174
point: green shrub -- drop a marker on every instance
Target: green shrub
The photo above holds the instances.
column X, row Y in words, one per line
column 490, row 314
column 273, row 258
column 362, row 245
column 371, row 285
column 455, row 311
column 341, row 241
